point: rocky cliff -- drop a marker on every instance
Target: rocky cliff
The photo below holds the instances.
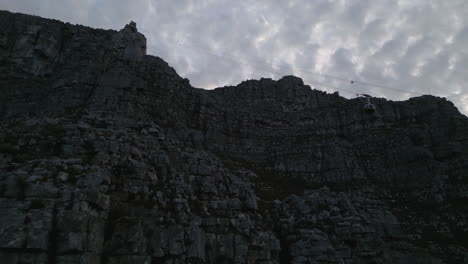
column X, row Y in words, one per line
column 108, row 156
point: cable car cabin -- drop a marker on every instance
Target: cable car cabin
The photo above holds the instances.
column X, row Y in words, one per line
column 369, row 108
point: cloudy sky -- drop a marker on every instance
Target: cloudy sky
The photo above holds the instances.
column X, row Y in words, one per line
column 391, row 48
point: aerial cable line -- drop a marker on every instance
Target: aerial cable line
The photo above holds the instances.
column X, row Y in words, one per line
column 350, row 81
column 268, row 70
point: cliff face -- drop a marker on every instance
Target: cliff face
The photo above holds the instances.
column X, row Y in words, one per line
column 108, row 156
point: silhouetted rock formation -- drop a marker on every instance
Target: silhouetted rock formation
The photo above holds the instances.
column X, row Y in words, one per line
column 108, row 156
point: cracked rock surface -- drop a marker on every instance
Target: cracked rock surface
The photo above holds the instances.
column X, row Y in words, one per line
column 107, row 155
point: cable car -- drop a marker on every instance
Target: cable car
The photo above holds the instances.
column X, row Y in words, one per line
column 369, row 107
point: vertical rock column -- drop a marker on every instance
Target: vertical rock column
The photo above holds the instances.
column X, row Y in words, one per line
column 129, row 43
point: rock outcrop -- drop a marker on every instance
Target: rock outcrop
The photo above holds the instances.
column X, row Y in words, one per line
column 108, row 156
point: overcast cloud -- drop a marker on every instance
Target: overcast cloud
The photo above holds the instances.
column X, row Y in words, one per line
column 419, row 46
